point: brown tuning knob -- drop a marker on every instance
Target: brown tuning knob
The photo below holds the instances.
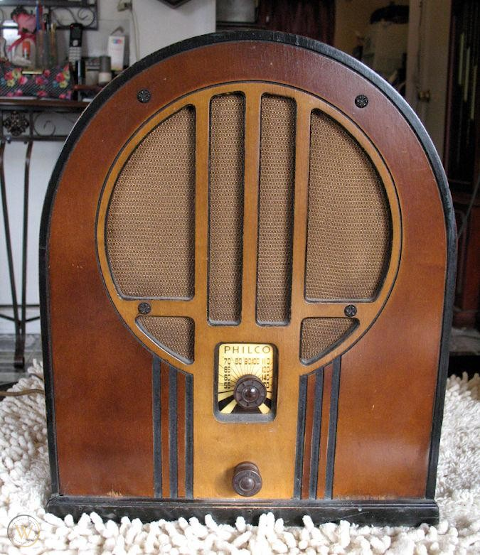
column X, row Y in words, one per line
column 250, row 392
column 246, row 479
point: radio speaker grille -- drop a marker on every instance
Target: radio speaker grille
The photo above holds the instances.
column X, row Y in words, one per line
column 173, row 334
column 227, row 121
column 348, row 217
column 319, row 335
column 150, row 221
column 275, row 222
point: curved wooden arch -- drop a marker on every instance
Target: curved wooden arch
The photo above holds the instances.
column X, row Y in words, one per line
column 208, row 336
column 92, row 359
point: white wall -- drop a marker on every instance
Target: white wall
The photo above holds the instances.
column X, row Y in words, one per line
column 44, row 156
column 427, row 60
column 427, row 68
column 353, row 16
column 159, row 26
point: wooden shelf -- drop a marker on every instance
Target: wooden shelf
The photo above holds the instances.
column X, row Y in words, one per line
column 7, row 102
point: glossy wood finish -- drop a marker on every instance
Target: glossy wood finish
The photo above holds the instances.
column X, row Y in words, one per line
column 388, row 378
column 172, row 437
column 164, row 432
column 308, row 435
column 103, row 408
column 314, row 434
column 322, row 455
column 209, row 468
column 181, row 410
column 388, row 400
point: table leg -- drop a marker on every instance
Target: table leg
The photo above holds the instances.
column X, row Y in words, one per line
column 19, row 312
column 8, row 244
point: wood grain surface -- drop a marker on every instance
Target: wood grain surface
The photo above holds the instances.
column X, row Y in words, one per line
column 102, row 373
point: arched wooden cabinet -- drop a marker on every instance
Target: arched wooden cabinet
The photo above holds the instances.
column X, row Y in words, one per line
column 246, row 258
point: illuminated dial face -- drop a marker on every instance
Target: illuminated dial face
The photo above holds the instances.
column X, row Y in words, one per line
column 246, row 380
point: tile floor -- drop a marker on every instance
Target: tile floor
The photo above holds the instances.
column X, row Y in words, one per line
column 464, row 343
column 33, row 349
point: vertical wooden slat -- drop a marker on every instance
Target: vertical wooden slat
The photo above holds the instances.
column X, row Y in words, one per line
column 189, row 437
column 172, row 422
column 302, row 162
column 322, row 461
column 157, row 427
column 307, row 449
column 173, row 431
column 252, row 160
column 316, row 433
column 332, row 429
column 299, row 454
column 181, row 377
column 164, row 396
column 202, row 141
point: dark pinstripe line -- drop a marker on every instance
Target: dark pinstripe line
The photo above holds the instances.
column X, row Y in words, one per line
column 302, row 397
column 317, row 426
column 189, row 437
column 172, row 425
column 157, row 422
column 332, row 428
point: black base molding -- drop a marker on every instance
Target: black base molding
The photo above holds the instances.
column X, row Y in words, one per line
column 399, row 512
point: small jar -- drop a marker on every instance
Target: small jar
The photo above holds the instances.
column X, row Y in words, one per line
column 105, row 72
column 24, row 53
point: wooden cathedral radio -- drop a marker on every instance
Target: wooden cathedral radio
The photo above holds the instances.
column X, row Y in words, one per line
column 247, row 256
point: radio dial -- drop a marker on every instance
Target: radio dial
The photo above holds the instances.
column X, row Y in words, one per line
column 250, row 392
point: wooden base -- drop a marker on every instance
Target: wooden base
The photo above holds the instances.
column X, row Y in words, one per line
column 400, row 512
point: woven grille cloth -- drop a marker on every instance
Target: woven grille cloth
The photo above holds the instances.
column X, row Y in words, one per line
column 177, row 334
column 277, row 164
column 226, row 207
column 318, row 335
column 348, row 217
column 150, row 221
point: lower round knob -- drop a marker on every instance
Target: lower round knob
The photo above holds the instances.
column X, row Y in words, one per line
column 246, row 479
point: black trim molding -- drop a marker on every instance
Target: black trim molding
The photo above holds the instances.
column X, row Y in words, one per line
column 405, row 512
column 332, row 428
column 166, row 422
column 312, row 454
column 300, row 447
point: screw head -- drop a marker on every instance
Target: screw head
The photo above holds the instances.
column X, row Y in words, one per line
column 361, row 101
column 144, row 96
column 144, row 308
column 350, row 310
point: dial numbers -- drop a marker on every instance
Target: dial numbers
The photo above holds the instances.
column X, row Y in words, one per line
column 253, row 366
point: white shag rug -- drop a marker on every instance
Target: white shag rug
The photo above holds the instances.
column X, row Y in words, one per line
column 24, row 482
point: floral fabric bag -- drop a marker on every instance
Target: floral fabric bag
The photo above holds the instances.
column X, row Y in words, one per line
column 54, row 82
